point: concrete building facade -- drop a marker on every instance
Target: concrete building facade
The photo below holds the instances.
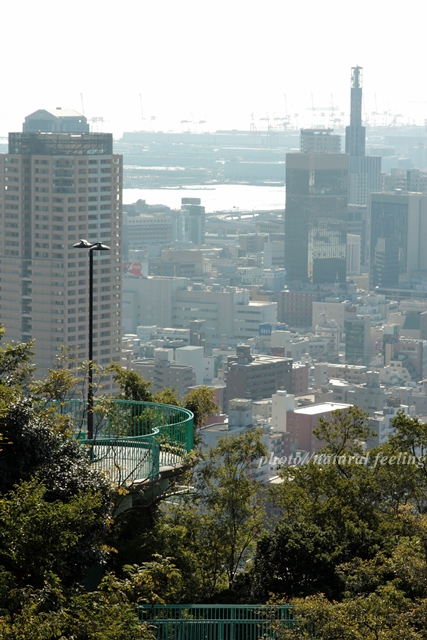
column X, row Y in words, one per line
column 257, row 377
column 163, row 372
column 302, row 421
column 149, row 301
column 295, row 308
column 357, row 340
column 319, row 141
column 56, row 188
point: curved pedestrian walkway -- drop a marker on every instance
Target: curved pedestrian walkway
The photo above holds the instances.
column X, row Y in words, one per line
column 134, row 442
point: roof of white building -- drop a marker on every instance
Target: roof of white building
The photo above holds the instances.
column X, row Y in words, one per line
column 322, row 408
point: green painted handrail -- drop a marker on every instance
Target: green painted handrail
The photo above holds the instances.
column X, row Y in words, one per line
column 216, row 622
column 133, row 440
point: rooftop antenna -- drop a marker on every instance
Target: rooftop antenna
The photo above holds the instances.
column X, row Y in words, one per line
column 83, row 106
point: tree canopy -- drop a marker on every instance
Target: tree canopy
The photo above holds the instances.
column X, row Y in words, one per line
column 349, row 550
column 343, row 538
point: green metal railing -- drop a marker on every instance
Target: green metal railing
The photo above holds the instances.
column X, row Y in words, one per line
column 216, row 622
column 133, row 440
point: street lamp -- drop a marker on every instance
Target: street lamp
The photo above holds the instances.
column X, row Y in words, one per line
column 91, row 246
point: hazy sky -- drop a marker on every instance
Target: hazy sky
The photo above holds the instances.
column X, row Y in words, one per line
column 218, row 61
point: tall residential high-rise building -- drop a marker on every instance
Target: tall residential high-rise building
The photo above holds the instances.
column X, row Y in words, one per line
column 196, row 219
column 398, row 238
column 364, row 172
column 316, row 217
column 56, row 188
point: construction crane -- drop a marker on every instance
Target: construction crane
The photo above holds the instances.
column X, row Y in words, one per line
column 142, row 110
column 266, row 119
column 296, row 120
column 330, row 108
column 286, row 119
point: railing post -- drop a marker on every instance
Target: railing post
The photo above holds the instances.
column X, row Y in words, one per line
column 155, row 458
column 190, row 435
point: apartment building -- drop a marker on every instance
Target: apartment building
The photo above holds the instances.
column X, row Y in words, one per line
column 163, row 372
column 256, row 377
column 59, row 183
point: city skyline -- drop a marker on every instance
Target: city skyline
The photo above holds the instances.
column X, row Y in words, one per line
column 211, row 66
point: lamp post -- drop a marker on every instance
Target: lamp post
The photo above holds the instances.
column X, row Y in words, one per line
column 91, row 246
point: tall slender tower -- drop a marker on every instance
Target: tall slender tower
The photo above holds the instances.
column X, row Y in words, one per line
column 60, row 183
column 355, row 133
column 364, row 172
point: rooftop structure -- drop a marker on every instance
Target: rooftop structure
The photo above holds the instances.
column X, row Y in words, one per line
column 319, row 409
column 56, row 121
column 320, row 141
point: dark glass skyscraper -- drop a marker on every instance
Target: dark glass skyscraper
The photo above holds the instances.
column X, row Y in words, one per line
column 316, row 217
column 398, row 238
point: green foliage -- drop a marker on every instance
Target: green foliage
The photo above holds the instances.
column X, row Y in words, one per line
column 132, row 386
column 383, row 615
column 344, row 432
column 133, row 536
column 349, row 547
column 53, row 613
column 338, row 512
column 38, row 536
column 385, row 596
column 155, row 582
column 37, row 448
column 56, row 386
column 55, row 507
column 201, row 402
column 195, row 543
column 15, row 362
column 55, row 517
column 211, row 532
column 167, row 396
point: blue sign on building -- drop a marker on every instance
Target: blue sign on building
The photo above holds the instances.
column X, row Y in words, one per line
column 267, row 328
